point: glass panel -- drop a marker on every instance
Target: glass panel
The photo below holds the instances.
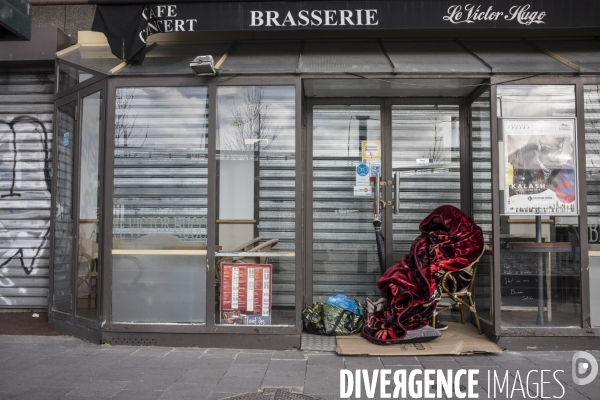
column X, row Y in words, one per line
column 482, row 200
column 256, row 179
column 517, row 57
column 592, row 174
column 96, row 58
column 536, row 101
column 173, row 59
column 89, row 207
column 63, row 220
column 160, row 204
column 344, row 247
column 69, row 76
column 426, row 152
column 540, row 282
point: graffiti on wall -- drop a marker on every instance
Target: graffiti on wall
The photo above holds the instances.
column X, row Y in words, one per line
column 25, row 185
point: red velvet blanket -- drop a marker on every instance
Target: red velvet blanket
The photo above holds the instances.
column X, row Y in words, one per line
column 449, row 241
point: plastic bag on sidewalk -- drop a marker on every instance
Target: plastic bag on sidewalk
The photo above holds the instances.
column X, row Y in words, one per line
column 323, row 319
column 345, row 302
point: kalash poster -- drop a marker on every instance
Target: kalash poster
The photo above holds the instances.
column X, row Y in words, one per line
column 541, row 168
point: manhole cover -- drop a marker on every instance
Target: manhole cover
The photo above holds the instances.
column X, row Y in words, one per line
column 272, row 394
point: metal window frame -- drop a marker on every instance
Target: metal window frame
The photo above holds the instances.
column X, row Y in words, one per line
column 76, row 97
column 275, row 80
column 487, row 324
column 385, row 110
column 96, row 77
column 209, row 327
column 550, row 331
column 87, row 91
column 583, row 234
column 52, row 313
column 308, row 161
column 303, row 233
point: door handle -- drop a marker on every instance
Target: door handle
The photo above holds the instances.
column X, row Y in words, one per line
column 377, row 209
column 382, row 204
column 397, row 193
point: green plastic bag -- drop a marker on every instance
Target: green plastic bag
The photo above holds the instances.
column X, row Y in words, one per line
column 323, row 319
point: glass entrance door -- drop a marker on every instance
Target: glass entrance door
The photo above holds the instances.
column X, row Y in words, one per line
column 344, row 252
column 77, row 216
column 420, row 143
column 426, row 155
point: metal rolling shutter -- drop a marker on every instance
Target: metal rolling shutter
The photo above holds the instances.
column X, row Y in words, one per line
column 592, row 151
column 26, row 110
column 277, row 218
column 344, row 248
column 592, row 176
column 482, row 162
column 482, row 197
column 160, row 203
column 423, row 132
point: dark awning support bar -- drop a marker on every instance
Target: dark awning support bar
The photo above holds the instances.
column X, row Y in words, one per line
column 384, row 50
column 554, row 55
column 224, row 56
column 126, row 63
column 471, row 52
column 299, row 66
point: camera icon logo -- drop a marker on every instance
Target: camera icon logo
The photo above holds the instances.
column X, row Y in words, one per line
column 584, row 362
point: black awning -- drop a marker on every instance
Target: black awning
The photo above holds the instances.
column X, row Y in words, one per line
column 128, row 27
column 402, row 58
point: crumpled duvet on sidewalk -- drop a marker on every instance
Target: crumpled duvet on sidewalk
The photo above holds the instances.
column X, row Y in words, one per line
column 449, row 241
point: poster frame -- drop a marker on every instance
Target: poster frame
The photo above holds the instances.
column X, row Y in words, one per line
column 268, row 267
column 503, row 158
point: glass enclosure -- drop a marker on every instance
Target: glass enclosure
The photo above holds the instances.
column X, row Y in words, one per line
column 592, row 176
column 481, row 155
column 344, row 248
column 162, row 184
column 540, row 265
column 426, row 153
column 69, row 76
column 256, row 205
column 89, row 206
column 64, row 212
column 160, row 205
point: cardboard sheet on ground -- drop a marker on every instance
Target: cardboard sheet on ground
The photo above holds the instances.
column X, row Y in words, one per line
column 458, row 339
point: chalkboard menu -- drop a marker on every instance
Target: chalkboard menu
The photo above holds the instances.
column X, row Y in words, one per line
column 519, row 278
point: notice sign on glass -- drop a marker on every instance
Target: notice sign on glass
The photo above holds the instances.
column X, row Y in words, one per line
column 540, row 166
column 246, row 294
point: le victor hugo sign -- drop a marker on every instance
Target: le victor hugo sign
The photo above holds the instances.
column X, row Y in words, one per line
column 129, row 26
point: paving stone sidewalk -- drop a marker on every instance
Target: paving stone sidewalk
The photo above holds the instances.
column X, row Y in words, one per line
column 62, row 367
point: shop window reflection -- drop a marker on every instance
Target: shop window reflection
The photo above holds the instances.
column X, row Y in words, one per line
column 69, row 76
column 160, row 205
column 63, row 213
column 592, row 176
column 540, row 272
column 89, row 207
column 344, row 262
column 256, row 178
column 482, row 199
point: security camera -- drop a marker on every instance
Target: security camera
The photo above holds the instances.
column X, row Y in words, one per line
column 203, row 65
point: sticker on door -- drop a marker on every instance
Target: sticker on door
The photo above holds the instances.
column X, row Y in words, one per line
column 363, row 191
